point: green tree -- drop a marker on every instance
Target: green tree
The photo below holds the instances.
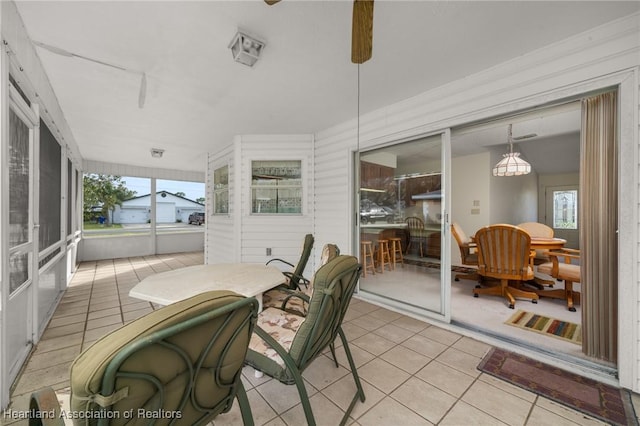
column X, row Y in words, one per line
column 200, row 200
column 180, row 194
column 106, row 192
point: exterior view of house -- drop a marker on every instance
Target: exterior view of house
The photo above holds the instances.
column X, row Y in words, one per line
column 171, row 208
column 278, row 187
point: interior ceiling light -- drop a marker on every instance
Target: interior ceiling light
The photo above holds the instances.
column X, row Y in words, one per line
column 246, row 49
column 157, row 152
column 511, row 163
column 142, row 95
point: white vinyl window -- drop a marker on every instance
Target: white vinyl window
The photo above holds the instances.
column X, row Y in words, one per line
column 565, row 209
column 221, row 190
column 276, row 187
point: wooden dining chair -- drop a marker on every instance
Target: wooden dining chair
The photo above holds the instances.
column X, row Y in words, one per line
column 567, row 270
column 468, row 252
column 415, row 226
column 504, row 253
column 536, row 229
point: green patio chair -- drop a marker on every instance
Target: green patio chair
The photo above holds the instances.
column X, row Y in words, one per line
column 180, row 364
column 295, row 278
column 287, row 299
column 284, row 344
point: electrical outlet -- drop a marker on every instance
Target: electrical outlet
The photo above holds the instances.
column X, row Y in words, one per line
column 475, row 211
column 268, row 251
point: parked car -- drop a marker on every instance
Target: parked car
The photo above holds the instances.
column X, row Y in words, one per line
column 196, row 218
column 375, row 212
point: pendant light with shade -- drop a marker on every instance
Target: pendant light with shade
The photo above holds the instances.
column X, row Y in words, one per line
column 511, row 163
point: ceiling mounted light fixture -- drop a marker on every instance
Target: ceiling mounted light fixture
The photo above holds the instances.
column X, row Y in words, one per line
column 157, row 152
column 511, row 163
column 246, row 49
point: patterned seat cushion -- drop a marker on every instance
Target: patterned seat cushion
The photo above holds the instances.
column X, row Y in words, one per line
column 282, row 326
column 274, row 298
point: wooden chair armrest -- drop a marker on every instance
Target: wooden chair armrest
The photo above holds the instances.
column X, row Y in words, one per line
column 45, row 401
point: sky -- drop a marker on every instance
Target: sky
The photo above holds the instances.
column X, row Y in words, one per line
column 142, row 186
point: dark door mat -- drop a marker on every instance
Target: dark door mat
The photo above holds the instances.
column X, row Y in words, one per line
column 605, row 402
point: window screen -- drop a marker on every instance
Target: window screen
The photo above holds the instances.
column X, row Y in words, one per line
column 69, row 197
column 50, row 179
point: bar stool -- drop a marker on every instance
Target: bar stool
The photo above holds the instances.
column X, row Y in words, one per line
column 396, row 251
column 384, row 257
column 366, row 252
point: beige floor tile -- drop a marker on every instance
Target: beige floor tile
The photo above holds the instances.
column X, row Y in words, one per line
column 282, row 397
column 410, row 324
column 563, row 411
column 391, row 412
column 104, row 313
column 96, row 333
column 405, row 358
column 467, row 415
column 353, row 331
column 360, row 356
column 508, row 387
column 59, row 342
column 461, row 361
column 250, row 380
column 426, row 400
column 322, row 372
column 382, row 375
column 138, row 304
column 373, row 343
column 104, row 321
column 362, row 306
column 343, row 391
column 40, row 360
column 385, row 315
column 502, row 405
column 446, row 378
column 64, row 330
column 98, row 306
column 64, row 312
column 541, row 417
column 472, row 346
column 394, row 333
column 324, row 412
column 260, row 411
column 71, row 319
column 37, row 379
column 441, row 335
column 133, row 315
column 368, row 322
column 422, row 345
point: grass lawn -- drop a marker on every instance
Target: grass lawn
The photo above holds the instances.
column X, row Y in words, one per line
column 93, row 225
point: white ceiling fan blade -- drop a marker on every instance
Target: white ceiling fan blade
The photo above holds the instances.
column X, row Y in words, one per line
column 53, row 49
column 143, row 91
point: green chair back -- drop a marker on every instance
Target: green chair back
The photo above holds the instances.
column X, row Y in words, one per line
column 182, row 362
column 297, row 274
column 333, row 286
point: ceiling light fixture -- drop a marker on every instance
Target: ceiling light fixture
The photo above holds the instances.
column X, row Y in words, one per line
column 246, row 49
column 157, row 152
column 511, row 163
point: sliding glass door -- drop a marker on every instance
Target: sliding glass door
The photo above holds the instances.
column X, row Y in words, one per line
column 403, row 225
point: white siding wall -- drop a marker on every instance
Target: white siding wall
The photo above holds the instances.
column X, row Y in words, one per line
column 603, row 57
column 220, row 243
column 248, row 236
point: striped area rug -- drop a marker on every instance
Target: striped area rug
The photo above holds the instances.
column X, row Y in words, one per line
column 548, row 326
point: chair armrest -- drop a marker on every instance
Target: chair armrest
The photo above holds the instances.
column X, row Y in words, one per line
column 280, row 260
column 300, row 278
column 45, row 401
column 292, row 294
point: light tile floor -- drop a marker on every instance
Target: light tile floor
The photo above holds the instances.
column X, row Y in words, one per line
column 413, row 373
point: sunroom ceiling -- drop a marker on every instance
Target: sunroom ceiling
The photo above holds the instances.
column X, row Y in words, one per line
column 198, row 98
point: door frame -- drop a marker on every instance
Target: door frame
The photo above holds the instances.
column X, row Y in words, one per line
column 445, row 238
